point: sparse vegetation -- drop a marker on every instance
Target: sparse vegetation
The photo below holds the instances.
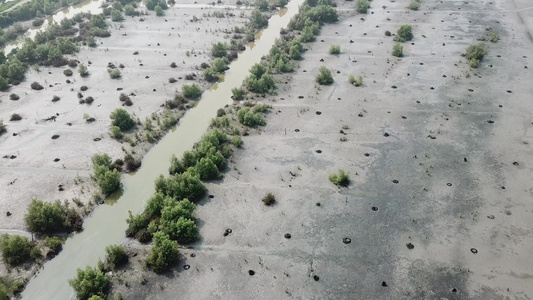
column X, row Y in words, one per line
column 414, row 5
column 114, row 73
column 191, row 91
column 340, row 178
column 324, row 76
column 68, row 72
column 116, row 256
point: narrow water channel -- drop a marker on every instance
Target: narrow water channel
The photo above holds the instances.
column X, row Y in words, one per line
column 107, row 223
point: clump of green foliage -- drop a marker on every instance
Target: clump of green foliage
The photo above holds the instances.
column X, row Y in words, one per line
column 335, row 49
column 324, row 76
column 475, row 53
column 108, row 179
column 3, row 127
column 44, row 217
column 17, row 249
column 259, row 80
column 362, row 6
column 90, row 282
column 114, row 73
column 116, row 256
column 414, row 5
column 397, row 50
column 252, row 117
column 191, row 91
column 164, row 253
column 122, row 119
column 356, row 81
column 404, row 33
column 269, row 199
column 341, row 178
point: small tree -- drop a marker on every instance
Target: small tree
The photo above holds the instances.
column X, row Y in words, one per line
column 475, row 53
column 192, row 91
column 17, row 249
column 159, row 11
column 219, row 50
column 116, row 256
column 116, row 16
column 90, row 282
column 54, row 243
column 164, row 253
column 397, row 50
column 122, row 119
column 404, row 33
column 335, row 49
column 324, row 76
column 109, row 181
column 362, row 6
column 238, row 94
column 340, row 179
column 45, row 217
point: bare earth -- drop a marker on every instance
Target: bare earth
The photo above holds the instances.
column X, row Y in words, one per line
column 439, row 156
column 159, row 41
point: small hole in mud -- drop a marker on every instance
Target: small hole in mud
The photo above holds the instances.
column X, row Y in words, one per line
column 394, row 87
column 404, row 117
column 431, row 88
column 449, row 184
column 193, row 254
column 346, row 240
column 290, row 185
column 318, row 204
column 319, row 113
column 490, row 217
column 316, row 278
column 186, row 267
column 384, row 284
column 509, row 91
column 503, row 188
column 227, row 232
column 56, row 159
column 296, row 130
column 374, row 208
column 318, row 151
column 470, row 90
column 395, row 181
column 360, row 115
column 454, row 290
column 55, row 136
column 490, row 121
column 410, row 246
column 287, row 236
column 473, row 250
column 97, row 139
column 211, row 196
column 251, row 272
column 385, row 134
column 367, row 154
column 516, row 163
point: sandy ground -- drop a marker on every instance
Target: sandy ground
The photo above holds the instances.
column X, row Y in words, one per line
column 438, row 155
column 33, row 173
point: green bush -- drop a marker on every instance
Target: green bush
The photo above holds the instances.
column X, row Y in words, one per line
column 3, row 127
column 341, row 178
column 475, row 53
column 67, row 72
column 164, row 253
column 180, row 186
column 3, row 293
column 82, row 69
column 257, row 20
column 220, row 64
column 219, row 50
column 107, row 179
column 414, row 5
column 211, row 75
column 176, row 220
column 116, row 133
column 90, row 282
column 404, row 33
column 192, row 91
column 46, row 217
column 324, row 76
column 159, row 11
column 237, row 141
column 397, row 50
column 355, row 81
column 116, row 256
column 114, row 73
column 16, row 249
column 238, row 94
column 136, row 223
column 362, row 6
column 122, row 119
column 269, row 199
column 116, row 16
column 335, row 49
column 249, row 118
column 54, row 243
